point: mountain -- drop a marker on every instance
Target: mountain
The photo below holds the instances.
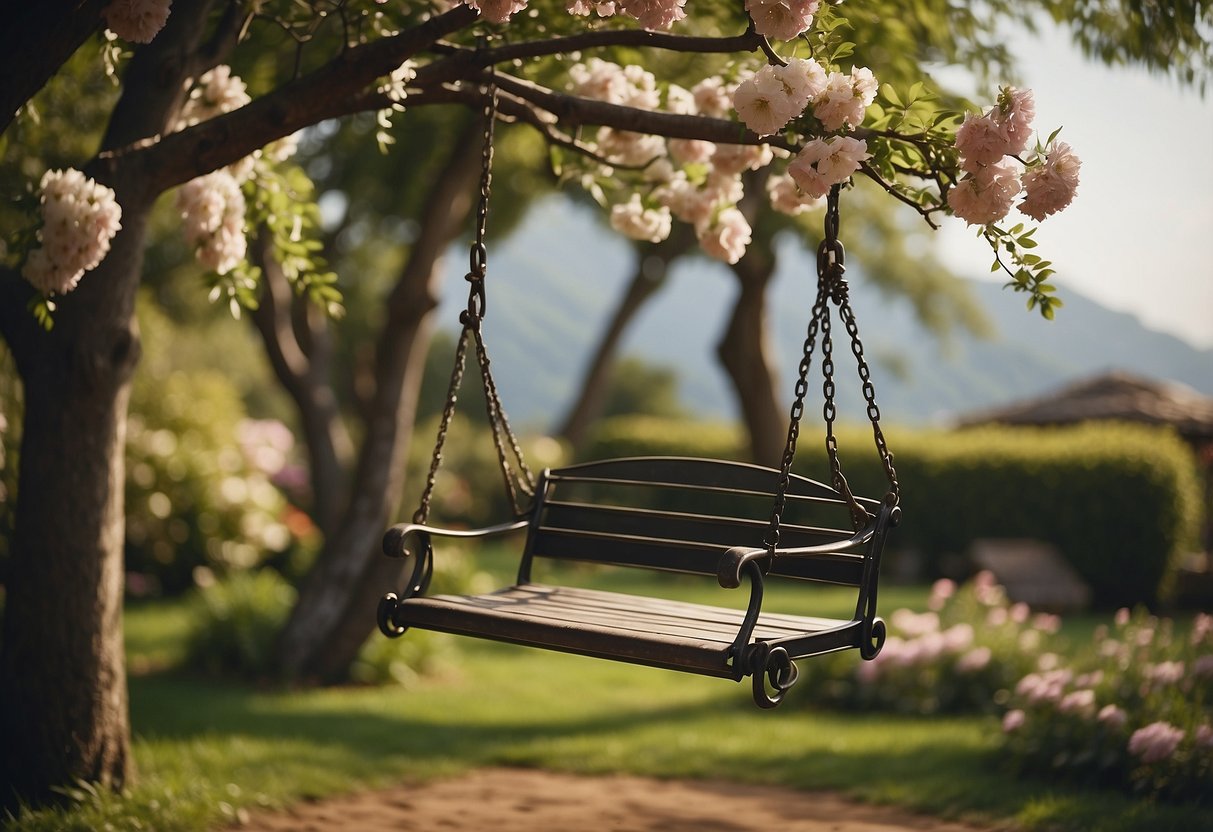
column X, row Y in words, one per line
column 554, row 281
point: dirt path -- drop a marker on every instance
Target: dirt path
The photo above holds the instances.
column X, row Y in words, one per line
column 512, row 800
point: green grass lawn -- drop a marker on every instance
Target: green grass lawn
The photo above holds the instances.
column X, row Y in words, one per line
column 206, row 749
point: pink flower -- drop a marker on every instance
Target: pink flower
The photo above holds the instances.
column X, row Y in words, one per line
column 941, row 591
column 79, row 219
column 1202, row 626
column 1155, row 742
column 691, row 151
column 726, row 238
column 823, row 163
column 1204, row 736
column 713, row 97
column 1051, row 187
column 633, row 220
column 763, row 102
column 138, row 21
column 985, row 196
column 1013, row 720
column 782, row 19
column 581, row 8
column 1113, row 717
column 975, row 660
column 212, row 207
column 732, row 159
column 497, row 11
column 788, row 199
column 1016, row 110
column 1078, row 702
column 803, row 79
column 845, row 98
column 654, row 14
column 1003, row 131
column 1122, row 617
column 1203, row 666
column 1046, row 622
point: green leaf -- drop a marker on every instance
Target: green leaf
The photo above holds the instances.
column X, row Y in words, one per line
column 891, row 94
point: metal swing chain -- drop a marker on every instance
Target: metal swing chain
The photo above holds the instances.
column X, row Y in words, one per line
column 471, row 318
column 831, row 287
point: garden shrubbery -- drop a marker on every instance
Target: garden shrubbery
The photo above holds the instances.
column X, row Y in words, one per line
column 1132, row 709
column 1120, row 501
column 960, row 656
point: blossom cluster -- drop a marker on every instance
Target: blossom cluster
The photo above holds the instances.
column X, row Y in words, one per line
column 696, row 182
column 1132, row 710
column 79, row 219
column 990, row 146
column 651, row 14
column 954, row 657
column 213, row 206
column 137, row 21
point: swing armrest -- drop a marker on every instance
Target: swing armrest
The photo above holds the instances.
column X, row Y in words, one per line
column 395, row 537
column 728, row 573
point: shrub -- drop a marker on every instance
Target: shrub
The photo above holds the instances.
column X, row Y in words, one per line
column 1120, row 501
column 1132, row 710
column 235, row 623
column 954, row 658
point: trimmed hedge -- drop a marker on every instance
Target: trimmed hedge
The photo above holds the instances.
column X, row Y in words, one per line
column 1120, row 501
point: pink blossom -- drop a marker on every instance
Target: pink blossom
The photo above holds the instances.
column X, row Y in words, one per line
column 1016, row 109
column 1202, row 626
column 763, row 102
column 782, row 19
column 685, row 201
column 600, row 80
column 1046, row 622
column 726, row 238
column 941, row 591
column 213, row 209
column 1019, row 612
column 690, row 151
column 1204, row 735
column 79, row 219
column 654, row 14
column 626, row 148
column 1051, row 187
column 996, row 616
column 633, row 220
column 1112, row 716
column 581, row 8
column 1122, row 617
column 713, row 97
column 1004, row 130
column 803, row 79
column 1078, row 702
column 138, row 21
column 732, row 159
column 497, row 11
column 1164, row 673
column 845, row 98
column 787, row 198
column 1202, row 666
column 985, row 196
column 1013, row 720
column 974, row 660
column 914, row 624
column 823, row 163
column 1155, row 742
column 217, row 91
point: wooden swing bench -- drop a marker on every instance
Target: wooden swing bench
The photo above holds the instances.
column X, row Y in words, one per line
column 697, row 516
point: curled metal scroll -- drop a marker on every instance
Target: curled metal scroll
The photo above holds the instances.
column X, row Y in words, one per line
column 772, row 666
column 423, row 569
column 874, row 633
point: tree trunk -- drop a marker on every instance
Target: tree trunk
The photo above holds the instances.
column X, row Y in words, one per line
column 63, row 695
column 745, row 353
column 336, row 608
column 651, row 268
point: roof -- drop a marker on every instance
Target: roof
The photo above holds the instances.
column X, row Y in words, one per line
column 1113, row 396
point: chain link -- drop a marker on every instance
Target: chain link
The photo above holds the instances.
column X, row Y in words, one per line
column 831, row 287
column 504, row 440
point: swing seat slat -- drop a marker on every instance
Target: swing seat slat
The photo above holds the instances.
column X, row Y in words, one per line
column 694, row 516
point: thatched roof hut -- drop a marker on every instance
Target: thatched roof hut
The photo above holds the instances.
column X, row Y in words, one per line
column 1117, row 396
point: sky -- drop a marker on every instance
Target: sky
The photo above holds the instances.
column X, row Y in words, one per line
column 1139, row 236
